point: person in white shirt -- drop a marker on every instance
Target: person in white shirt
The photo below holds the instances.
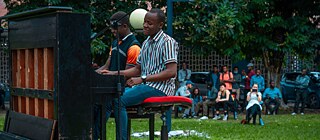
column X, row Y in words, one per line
column 254, row 108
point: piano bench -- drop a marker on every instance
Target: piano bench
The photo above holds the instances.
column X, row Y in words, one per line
column 162, row 104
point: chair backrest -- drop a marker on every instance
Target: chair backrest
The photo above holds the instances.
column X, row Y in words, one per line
column 32, row 127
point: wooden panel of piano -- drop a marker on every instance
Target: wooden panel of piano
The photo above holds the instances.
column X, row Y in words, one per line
column 33, row 69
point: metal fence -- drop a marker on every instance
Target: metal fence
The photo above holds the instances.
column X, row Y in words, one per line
column 197, row 62
column 4, row 58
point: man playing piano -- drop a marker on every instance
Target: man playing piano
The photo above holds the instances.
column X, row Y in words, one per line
column 129, row 45
column 129, row 51
column 156, row 68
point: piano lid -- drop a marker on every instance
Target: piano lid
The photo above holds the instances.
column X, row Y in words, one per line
column 39, row 11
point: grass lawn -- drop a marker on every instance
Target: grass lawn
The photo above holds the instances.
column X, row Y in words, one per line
column 284, row 127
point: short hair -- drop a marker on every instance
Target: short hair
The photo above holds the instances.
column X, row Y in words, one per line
column 223, row 84
column 271, row 81
column 160, row 14
column 118, row 15
column 235, row 67
column 215, row 66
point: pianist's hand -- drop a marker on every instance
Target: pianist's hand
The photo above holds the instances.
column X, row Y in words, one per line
column 134, row 81
column 98, row 71
column 107, row 72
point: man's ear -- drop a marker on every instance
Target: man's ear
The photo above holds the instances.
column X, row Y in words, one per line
column 161, row 25
column 125, row 26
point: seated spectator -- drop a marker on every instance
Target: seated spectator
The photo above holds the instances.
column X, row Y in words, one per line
column 184, row 91
column 208, row 101
column 272, row 95
column 222, row 102
column 254, row 108
column 196, row 99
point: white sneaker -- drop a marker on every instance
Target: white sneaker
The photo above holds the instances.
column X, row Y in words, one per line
column 302, row 113
column 293, row 114
column 225, row 117
column 216, row 117
column 184, row 116
column 204, row 118
column 269, row 113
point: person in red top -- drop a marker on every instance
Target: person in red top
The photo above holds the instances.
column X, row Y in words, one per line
column 247, row 78
column 227, row 78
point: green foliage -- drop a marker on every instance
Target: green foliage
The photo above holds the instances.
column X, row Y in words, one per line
column 237, row 28
column 98, row 48
column 241, row 28
column 100, row 11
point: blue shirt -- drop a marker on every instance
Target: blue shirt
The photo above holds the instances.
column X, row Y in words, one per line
column 214, row 78
column 303, row 81
column 257, row 80
column 183, row 91
column 184, row 75
column 272, row 93
column 196, row 99
column 237, row 80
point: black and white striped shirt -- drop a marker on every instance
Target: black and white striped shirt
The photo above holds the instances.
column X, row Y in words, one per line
column 154, row 55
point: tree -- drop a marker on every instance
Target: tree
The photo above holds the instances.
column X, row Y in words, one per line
column 100, row 11
column 266, row 29
column 241, row 29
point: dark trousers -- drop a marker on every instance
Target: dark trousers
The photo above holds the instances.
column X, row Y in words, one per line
column 301, row 97
column 270, row 101
column 252, row 112
column 2, row 96
column 223, row 105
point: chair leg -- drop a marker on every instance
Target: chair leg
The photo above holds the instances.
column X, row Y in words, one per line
column 151, row 126
column 129, row 129
column 176, row 112
column 164, row 129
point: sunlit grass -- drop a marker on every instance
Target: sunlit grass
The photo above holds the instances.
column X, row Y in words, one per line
column 283, row 127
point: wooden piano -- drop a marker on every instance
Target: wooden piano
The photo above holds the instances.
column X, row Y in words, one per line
column 51, row 74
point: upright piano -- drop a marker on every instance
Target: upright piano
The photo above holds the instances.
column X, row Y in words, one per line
column 51, row 74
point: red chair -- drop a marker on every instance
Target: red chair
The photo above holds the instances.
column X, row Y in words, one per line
column 162, row 104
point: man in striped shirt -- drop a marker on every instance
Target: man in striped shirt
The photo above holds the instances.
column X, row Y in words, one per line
column 157, row 65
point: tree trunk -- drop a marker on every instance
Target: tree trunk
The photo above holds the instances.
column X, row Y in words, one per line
column 273, row 64
column 273, row 61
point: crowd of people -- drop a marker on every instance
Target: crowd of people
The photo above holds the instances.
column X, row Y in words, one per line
column 224, row 94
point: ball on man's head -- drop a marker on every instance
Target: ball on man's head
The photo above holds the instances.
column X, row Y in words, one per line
column 137, row 18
